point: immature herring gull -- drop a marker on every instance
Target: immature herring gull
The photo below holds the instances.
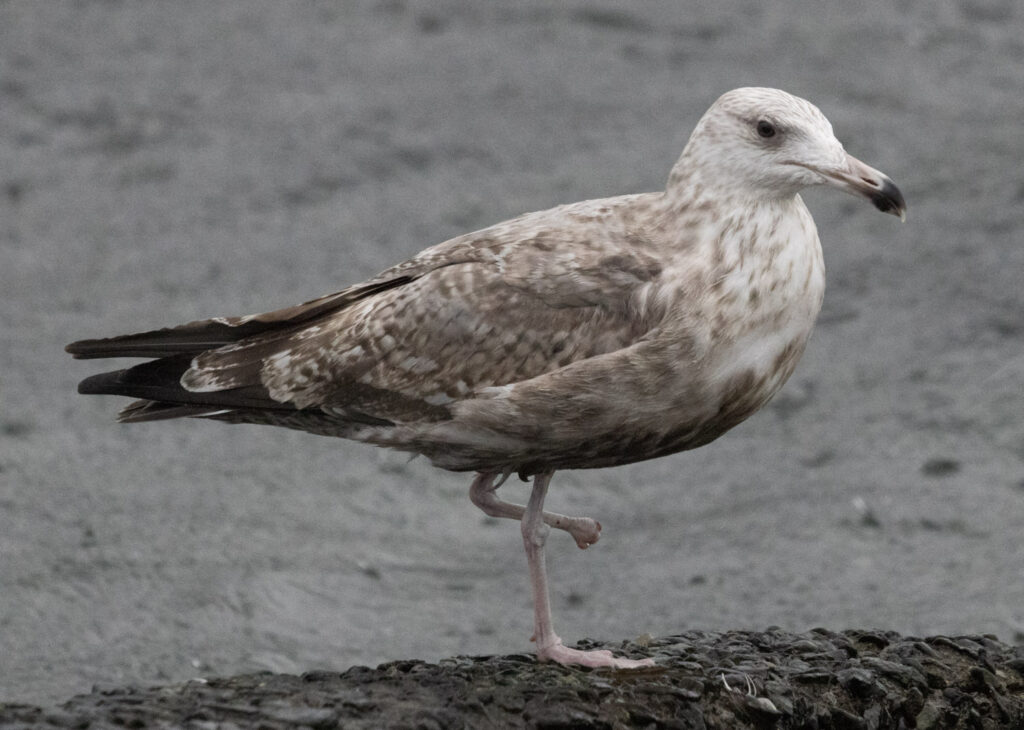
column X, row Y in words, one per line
column 589, row 335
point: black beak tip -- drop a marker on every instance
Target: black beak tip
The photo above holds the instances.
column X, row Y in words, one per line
column 889, row 199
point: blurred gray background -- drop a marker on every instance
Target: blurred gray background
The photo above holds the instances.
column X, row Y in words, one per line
column 165, row 161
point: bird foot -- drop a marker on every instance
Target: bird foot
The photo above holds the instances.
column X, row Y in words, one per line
column 584, row 530
column 562, row 654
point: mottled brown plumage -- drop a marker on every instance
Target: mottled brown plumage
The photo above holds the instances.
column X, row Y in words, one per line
column 588, row 335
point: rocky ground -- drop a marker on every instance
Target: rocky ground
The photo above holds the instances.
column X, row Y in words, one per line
column 854, row 680
column 164, row 160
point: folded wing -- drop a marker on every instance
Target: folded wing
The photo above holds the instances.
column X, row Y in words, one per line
column 491, row 308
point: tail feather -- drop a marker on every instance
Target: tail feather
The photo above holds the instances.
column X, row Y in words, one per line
column 149, row 380
column 159, row 382
column 243, row 399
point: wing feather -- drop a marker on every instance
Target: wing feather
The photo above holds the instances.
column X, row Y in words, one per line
column 490, row 308
column 219, row 331
column 445, row 334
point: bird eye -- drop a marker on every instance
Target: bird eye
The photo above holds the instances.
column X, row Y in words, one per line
column 765, row 129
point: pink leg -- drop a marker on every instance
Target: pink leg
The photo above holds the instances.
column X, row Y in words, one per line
column 584, row 530
column 549, row 646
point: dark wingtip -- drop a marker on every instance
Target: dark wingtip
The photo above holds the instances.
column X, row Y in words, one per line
column 75, row 348
column 87, row 349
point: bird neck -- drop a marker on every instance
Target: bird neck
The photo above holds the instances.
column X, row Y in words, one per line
column 699, row 180
column 705, row 201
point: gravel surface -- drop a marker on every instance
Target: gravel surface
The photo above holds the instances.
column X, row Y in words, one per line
column 166, row 160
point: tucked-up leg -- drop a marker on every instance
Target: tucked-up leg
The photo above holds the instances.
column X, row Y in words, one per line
column 549, row 646
column 483, row 494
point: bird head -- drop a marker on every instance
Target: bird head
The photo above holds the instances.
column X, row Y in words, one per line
column 765, row 143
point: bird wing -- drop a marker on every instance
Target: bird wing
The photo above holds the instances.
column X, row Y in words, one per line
column 490, row 308
column 205, row 334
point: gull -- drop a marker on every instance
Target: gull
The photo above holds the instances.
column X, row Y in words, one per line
column 589, row 335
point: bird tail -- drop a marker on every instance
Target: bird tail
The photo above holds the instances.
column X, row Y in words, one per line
column 157, row 384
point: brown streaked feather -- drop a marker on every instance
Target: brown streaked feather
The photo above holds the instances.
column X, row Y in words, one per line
column 478, row 316
column 470, row 313
column 419, row 343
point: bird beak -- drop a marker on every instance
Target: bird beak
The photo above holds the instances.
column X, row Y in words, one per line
column 863, row 180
